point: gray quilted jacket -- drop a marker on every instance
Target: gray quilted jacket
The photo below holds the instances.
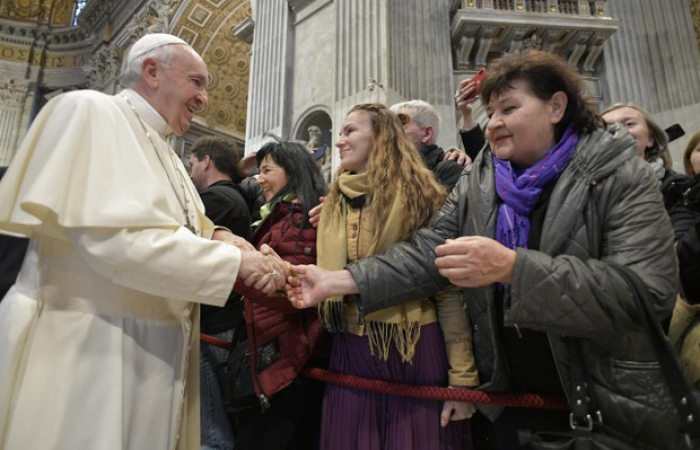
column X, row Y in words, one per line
column 605, row 207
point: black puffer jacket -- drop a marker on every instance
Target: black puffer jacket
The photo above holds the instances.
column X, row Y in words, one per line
column 566, row 288
column 446, row 170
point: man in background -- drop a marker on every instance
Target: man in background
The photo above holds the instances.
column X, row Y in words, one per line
column 213, row 167
column 422, row 124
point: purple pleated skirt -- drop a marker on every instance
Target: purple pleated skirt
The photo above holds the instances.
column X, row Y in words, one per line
column 360, row 420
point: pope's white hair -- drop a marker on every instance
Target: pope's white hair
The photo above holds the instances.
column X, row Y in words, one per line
column 131, row 68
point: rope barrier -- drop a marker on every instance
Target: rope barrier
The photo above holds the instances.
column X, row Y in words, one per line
column 424, row 392
column 215, row 341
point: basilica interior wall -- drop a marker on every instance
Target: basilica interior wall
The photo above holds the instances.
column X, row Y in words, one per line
column 651, row 59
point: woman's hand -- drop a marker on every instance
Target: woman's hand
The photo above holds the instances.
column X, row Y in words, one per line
column 454, row 411
column 304, row 286
column 308, row 286
column 315, row 213
column 465, row 101
column 473, row 261
column 460, row 158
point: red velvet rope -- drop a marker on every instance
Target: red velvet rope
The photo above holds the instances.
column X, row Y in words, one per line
column 424, row 392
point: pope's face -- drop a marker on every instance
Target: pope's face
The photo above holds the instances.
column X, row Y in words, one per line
column 182, row 89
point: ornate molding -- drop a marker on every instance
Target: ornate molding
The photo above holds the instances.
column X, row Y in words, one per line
column 96, row 12
column 13, row 93
column 154, row 18
column 574, row 29
column 104, row 67
column 25, row 34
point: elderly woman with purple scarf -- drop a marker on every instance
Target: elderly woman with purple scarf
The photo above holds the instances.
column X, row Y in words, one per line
column 529, row 233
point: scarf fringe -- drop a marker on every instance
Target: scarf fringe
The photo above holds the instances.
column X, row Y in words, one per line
column 404, row 336
column 331, row 314
column 381, row 335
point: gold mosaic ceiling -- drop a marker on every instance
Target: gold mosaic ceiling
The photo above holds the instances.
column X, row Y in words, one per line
column 56, row 13
column 208, row 25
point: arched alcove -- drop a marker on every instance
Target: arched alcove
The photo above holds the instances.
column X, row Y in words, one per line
column 316, row 116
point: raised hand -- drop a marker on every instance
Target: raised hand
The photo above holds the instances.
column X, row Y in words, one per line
column 465, row 98
column 315, row 213
column 460, row 157
column 248, row 165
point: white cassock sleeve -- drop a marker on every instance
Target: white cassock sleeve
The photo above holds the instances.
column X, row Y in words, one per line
column 163, row 262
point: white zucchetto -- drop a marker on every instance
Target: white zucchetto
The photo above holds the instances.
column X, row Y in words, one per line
column 152, row 41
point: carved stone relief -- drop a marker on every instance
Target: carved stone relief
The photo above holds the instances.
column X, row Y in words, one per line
column 104, row 67
column 13, row 93
column 13, row 96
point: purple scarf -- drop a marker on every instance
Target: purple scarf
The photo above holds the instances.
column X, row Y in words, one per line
column 520, row 193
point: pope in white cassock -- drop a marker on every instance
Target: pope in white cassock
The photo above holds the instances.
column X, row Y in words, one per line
column 98, row 336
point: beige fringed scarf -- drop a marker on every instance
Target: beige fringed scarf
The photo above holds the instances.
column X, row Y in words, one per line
column 399, row 324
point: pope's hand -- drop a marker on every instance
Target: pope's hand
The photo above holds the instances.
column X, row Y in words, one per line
column 226, row 236
column 265, row 272
column 473, row 261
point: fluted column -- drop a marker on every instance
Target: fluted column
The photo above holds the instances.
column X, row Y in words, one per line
column 268, row 92
column 653, row 58
column 394, row 51
column 421, row 58
column 361, row 54
column 13, row 98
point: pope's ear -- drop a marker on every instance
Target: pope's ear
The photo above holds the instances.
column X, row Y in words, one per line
column 558, row 104
column 149, row 71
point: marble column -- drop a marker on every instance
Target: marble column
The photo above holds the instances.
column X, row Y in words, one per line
column 420, row 56
column 390, row 52
column 269, row 89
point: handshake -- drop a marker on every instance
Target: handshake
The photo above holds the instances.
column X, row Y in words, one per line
column 264, row 270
